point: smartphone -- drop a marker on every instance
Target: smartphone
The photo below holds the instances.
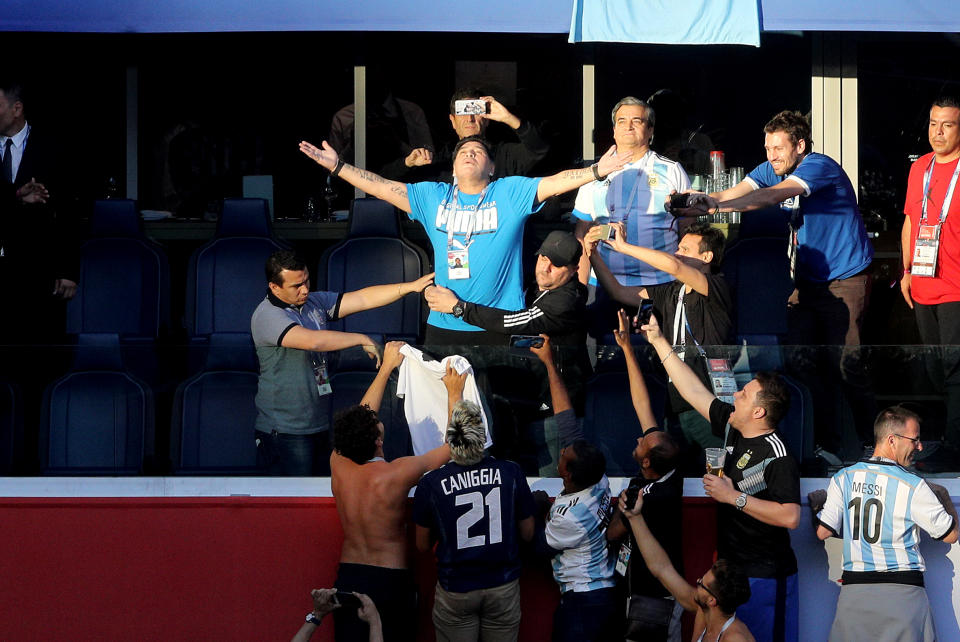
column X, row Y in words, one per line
column 347, row 600
column 607, row 232
column 526, row 341
column 468, row 107
column 645, row 312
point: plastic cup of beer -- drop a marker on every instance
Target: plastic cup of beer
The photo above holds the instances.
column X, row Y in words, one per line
column 715, row 459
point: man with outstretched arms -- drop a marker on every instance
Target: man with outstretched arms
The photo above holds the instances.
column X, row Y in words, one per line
column 475, row 226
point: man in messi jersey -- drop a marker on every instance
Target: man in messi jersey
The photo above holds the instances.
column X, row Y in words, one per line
column 635, row 197
column 477, row 220
column 476, row 509
column 830, row 254
column 878, row 507
column 758, row 494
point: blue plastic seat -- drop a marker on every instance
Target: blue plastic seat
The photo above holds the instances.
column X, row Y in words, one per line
column 610, row 421
column 212, row 424
column 124, row 285
column 375, row 253
column 225, row 280
column 759, row 272
column 97, row 419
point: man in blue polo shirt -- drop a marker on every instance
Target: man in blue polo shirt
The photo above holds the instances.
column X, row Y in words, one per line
column 829, row 250
column 474, row 225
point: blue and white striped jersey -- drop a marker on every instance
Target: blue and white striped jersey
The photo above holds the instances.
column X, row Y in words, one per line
column 877, row 507
column 635, row 196
column 577, row 528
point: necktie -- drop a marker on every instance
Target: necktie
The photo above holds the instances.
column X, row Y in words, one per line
column 8, row 161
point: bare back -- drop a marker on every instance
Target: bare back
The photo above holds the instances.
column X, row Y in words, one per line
column 372, row 505
column 736, row 632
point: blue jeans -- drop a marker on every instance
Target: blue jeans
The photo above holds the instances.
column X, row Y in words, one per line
column 773, row 611
column 294, row 455
column 591, row 616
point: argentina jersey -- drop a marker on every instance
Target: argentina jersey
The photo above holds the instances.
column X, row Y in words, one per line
column 577, row 527
column 878, row 507
column 635, row 196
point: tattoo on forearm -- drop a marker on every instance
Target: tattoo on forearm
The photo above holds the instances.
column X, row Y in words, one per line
column 576, row 174
column 370, row 176
column 399, row 190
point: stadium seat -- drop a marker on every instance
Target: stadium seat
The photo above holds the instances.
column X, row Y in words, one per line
column 374, row 253
column 212, row 424
column 98, row 418
column 610, row 421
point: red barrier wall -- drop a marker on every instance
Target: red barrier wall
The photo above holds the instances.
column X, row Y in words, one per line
column 233, row 568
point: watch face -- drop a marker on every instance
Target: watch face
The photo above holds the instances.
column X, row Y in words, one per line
column 458, row 310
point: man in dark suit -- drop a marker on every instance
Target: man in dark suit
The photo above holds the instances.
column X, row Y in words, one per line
column 35, row 250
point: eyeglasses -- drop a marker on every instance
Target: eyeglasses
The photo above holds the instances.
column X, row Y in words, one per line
column 704, row 587
column 915, row 440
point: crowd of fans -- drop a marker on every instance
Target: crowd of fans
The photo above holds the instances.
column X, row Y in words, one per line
column 637, row 265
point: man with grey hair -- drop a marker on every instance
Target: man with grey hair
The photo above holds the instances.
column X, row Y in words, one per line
column 634, row 196
column 475, row 508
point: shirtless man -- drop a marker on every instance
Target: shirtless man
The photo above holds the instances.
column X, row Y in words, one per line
column 371, row 496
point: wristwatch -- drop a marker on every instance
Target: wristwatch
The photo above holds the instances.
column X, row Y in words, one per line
column 741, row 501
column 313, row 619
column 458, row 309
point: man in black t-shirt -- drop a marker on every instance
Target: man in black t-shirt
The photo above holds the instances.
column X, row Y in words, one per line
column 759, row 492
column 700, row 317
column 477, row 508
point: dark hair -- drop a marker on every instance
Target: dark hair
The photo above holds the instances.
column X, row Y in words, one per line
column 663, row 455
column 711, row 240
column 12, row 90
column 465, row 93
column 589, row 465
column 466, row 433
column 355, row 433
column 773, row 397
column 946, row 101
column 792, row 123
column 282, row 260
column 648, row 113
column 476, row 138
column 730, row 586
column 892, row 420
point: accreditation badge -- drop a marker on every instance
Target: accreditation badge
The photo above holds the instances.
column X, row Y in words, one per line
column 925, row 251
column 623, row 558
column 722, row 380
column 322, row 376
column 458, row 262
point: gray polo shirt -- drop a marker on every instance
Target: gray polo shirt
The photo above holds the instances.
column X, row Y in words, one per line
column 287, row 396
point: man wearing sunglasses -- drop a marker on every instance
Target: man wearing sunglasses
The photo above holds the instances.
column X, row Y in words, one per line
column 878, row 507
column 716, row 596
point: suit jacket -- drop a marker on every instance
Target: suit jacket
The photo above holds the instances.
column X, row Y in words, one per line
column 41, row 238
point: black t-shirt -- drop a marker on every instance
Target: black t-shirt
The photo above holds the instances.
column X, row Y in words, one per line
column 762, row 468
column 662, row 511
column 710, row 319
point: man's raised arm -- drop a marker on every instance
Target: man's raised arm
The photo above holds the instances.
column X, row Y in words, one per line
column 656, row 259
column 688, row 384
column 656, row 559
column 574, row 178
column 390, row 191
column 638, row 387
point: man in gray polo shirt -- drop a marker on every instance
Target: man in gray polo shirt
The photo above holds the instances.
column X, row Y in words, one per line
column 290, row 333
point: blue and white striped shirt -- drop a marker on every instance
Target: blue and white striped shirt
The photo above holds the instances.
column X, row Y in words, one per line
column 577, row 528
column 877, row 507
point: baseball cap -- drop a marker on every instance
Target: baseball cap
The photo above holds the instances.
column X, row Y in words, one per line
column 562, row 248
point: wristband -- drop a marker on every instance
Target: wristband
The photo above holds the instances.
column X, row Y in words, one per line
column 336, row 170
column 596, row 172
column 671, row 353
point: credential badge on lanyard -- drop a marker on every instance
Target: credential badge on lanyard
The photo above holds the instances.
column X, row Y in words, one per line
column 926, row 248
column 458, row 253
column 318, row 360
column 721, row 377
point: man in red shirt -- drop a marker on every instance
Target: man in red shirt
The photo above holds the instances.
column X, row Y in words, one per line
column 931, row 255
